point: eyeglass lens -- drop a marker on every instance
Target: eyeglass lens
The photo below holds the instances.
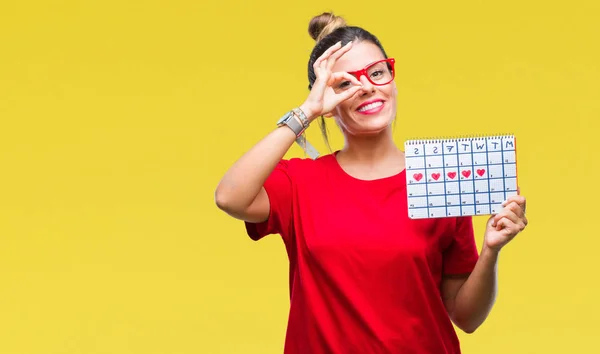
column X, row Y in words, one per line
column 379, row 73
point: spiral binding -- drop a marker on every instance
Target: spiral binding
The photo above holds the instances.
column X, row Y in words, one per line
column 458, row 138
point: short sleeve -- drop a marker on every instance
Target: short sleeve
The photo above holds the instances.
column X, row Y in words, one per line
column 279, row 190
column 461, row 256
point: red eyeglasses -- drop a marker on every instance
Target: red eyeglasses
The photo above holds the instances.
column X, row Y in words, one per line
column 378, row 73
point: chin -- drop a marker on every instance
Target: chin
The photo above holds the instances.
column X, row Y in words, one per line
column 370, row 126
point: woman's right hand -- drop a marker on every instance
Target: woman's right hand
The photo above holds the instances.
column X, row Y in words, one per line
column 326, row 94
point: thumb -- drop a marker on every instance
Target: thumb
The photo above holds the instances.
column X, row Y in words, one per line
column 491, row 221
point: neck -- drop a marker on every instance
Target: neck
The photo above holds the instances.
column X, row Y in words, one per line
column 372, row 149
column 370, row 158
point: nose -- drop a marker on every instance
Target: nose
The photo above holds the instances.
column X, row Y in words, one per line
column 367, row 86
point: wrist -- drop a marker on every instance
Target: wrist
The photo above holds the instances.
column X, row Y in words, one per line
column 308, row 112
column 294, row 120
column 489, row 252
column 298, row 113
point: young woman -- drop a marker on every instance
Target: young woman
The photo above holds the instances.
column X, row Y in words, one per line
column 364, row 278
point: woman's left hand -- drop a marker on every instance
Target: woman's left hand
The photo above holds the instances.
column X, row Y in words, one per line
column 504, row 226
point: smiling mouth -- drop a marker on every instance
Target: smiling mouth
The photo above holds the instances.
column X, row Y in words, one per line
column 373, row 106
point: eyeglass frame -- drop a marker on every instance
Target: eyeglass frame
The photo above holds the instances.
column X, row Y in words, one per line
column 358, row 73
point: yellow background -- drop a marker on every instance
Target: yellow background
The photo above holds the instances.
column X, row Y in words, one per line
column 118, row 118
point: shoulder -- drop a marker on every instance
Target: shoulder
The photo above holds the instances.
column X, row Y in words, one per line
column 306, row 167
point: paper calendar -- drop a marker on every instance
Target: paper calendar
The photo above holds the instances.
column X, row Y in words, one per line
column 460, row 176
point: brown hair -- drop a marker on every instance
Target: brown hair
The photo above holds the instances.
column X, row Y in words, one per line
column 322, row 25
column 327, row 29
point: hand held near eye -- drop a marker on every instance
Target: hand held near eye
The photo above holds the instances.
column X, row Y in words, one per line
column 325, row 95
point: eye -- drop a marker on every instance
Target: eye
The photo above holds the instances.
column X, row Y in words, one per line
column 377, row 73
column 344, row 84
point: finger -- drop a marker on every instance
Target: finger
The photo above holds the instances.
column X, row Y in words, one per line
column 337, row 54
column 333, row 79
column 505, row 214
column 348, row 93
column 334, row 55
column 508, row 226
column 519, row 199
column 500, row 224
column 326, row 54
column 513, row 227
column 511, row 209
column 515, row 208
column 341, row 76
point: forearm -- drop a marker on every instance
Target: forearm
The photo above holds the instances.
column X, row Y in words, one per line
column 245, row 178
column 477, row 295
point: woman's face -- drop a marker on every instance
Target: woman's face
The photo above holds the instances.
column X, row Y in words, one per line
column 373, row 108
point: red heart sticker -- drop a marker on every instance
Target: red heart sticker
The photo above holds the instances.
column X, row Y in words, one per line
column 451, row 175
column 466, row 173
column 418, row 176
column 435, row 176
column 481, row 172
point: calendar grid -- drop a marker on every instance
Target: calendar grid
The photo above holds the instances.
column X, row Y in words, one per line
column 426, row 186
column 459, row 177
column 472, row 167
column 459, row 184
column 503, row 158
column 487, row 169
column 443, row 178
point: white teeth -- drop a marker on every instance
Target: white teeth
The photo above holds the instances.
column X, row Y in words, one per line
column 370, row 106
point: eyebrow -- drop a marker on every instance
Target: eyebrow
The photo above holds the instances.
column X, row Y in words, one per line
column 363, row 67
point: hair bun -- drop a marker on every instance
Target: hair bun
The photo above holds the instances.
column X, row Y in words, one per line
column 323, row 24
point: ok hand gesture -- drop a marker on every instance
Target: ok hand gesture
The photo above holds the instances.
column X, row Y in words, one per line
column 326, row 92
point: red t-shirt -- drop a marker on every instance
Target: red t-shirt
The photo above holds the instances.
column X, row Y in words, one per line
column 364, row 278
